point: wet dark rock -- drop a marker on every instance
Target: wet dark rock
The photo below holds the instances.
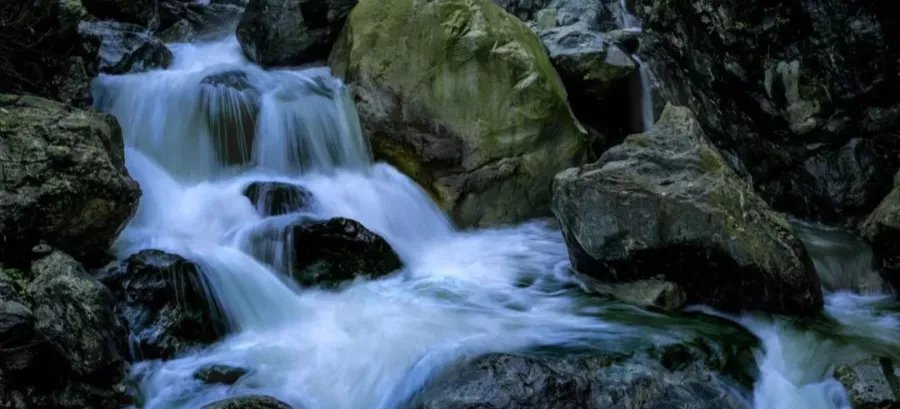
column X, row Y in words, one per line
column 520, row 382
column 292, row 32
column 63, row 182
column 190, row 21
column 223, row 374
column 163, row 298
column 67, row 354
column 143, row 12
column 249, row 402
column 43, row 53
column 882, row 230
column 230, row 104
column 661, row 294
column 329, row 252
column 666, row 203
column 277, row 198
column 16, row 327
column 785, row 109
column 126, row 47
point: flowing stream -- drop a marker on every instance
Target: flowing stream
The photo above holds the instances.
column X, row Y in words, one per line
column 372, row 343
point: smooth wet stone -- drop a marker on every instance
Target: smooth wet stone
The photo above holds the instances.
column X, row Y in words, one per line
column 249, row 402
column 277, row 198
column 660, row 294
column 163, row 298
column 666, row 203
column 329, row 252
column 223, row 374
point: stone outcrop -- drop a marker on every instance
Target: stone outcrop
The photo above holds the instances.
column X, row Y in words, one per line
column 126, row 47
column 665, row 203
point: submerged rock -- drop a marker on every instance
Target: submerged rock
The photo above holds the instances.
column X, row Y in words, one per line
column 143, row 12
column 461, row 96
column 63, row 179
column 665, row 203
column 329, row 252
column 292, row 32
column 126, row 47
column 249, row 402
column 882, row 230
column 222, row 374
column 277, row 198
column 163, row 298
column 519, row 382
column 230, row 104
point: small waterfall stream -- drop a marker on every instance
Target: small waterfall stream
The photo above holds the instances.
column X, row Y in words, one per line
column 643, row 113
column 194, row 148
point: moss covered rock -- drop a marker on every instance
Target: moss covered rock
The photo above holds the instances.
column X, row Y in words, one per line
column 461, row 96
column 665, row 203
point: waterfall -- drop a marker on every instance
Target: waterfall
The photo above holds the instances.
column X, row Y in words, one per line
column 199, row 133
column 643, row 113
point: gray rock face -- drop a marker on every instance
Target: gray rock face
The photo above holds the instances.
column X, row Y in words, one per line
column 872, row 383
column 762, row 89
column 126, row 47
column 517, row 382
column 62, row 179
column 249, row 402
column 143, row 12
column 882, row 230
column 163, row 299
column 189, row 21
column 665, row 203
column 293, row 32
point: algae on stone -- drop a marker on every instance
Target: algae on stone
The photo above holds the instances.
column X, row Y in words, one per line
column 463, row 95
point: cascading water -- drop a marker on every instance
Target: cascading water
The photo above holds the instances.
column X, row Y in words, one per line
column 643, row 113
column 200, row 132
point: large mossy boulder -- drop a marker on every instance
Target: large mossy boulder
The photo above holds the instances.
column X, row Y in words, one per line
column 126, row 47
column 461, row 96
column 62, row 179
column 882, row 230
column 164, row 300
column 589, row 382
column 664, row 203
column 763, row 90
column 292, row 32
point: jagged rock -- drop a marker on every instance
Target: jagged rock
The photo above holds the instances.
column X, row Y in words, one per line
column 519, row 382
column 872, row 383
column 63, row 179
column 461, row 96
column 43, row 53
column 222, row 374
column 665, row 203
column 292, row 32
column 191, row 21
column 277, row 198
column 69, row 357
column 230, row 104
column 329, row 252
column 126, row 47
column 143, row 12
column 779, row 104
column 249, row 402
column 163, row 298
column 882, row 230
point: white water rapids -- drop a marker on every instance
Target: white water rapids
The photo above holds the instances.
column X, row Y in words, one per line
column 369, row 344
